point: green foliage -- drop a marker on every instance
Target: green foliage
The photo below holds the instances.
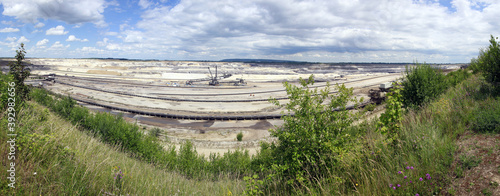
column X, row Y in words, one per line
column 236, row 163
column 188, row 160
column 312, row 140
column 116, row 131
column 239, row 136
column 20, row 72
column 488, row 62
column 111, row 129
column 421, row 84
column 4, row 89
column 155, row 132
column 390, row 120
column 469, row 162
column 253, row 185
column 455, row 77
column 486, row 117
column 370, row 107
column 459, row 172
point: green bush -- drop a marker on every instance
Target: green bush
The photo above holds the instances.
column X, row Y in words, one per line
column 236, row 163
column 486, row 118
column 188, row 160
column 155, row 132
column 310, row 141
column 390, row 120
column 239, row 136
column 370, row 107
column 4, row 86
column 455, row 77
column 488, row 62
column 469, row 162
column 421, row 84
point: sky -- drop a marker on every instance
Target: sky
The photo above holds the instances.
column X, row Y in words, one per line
column 433, row 31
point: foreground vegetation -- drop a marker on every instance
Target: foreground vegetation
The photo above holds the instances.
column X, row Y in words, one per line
column 410, row 150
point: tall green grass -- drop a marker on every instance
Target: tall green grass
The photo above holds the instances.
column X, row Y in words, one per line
column 68, row 161
column 115, row 131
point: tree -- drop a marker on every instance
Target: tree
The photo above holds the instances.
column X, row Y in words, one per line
column 311, row 140
column 488, row 61
column 20, row 72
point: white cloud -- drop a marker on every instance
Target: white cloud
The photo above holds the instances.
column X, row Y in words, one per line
column 23, row 39
column 320, row 30
column 9, row 30
column 102, row 43
column 133, row 36
column 59, row 30
column 111, row 33
column 42, row 43
column 10, row 39
column 58, row 46
column 7, row 22
column 39, row 25
column 144, row 3
column 72, row 38
column 90, row 50
column 70, row 11
column 284, row 28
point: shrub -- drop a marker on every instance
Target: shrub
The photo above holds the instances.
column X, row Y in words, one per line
column 469, row 162
column 488, row 61
column 239, row 136
column 486, row 118
column 236, row 163
column 455, row 77
column 310, row 141
column 370, row 107
column 390, row 120
column 155, row 132
column 421, row 84
column 189, row 162
column 4, row 86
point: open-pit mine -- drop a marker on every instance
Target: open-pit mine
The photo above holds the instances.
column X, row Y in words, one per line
column 208, row 103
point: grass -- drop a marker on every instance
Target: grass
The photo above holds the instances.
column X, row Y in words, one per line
column 72, row 162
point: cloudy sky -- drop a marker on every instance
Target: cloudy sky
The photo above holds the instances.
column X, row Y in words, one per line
column 306, row 30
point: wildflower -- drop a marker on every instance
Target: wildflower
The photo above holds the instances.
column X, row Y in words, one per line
column 399, row 185
column 421, row 179
column 390, row 185
column 356, row 184
column 407, row 167
column 428, row 176
column 411, row 167
column 405, row 177
column 417, row 194
column 400, row 172
column 410, row 181
column 394, row 188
